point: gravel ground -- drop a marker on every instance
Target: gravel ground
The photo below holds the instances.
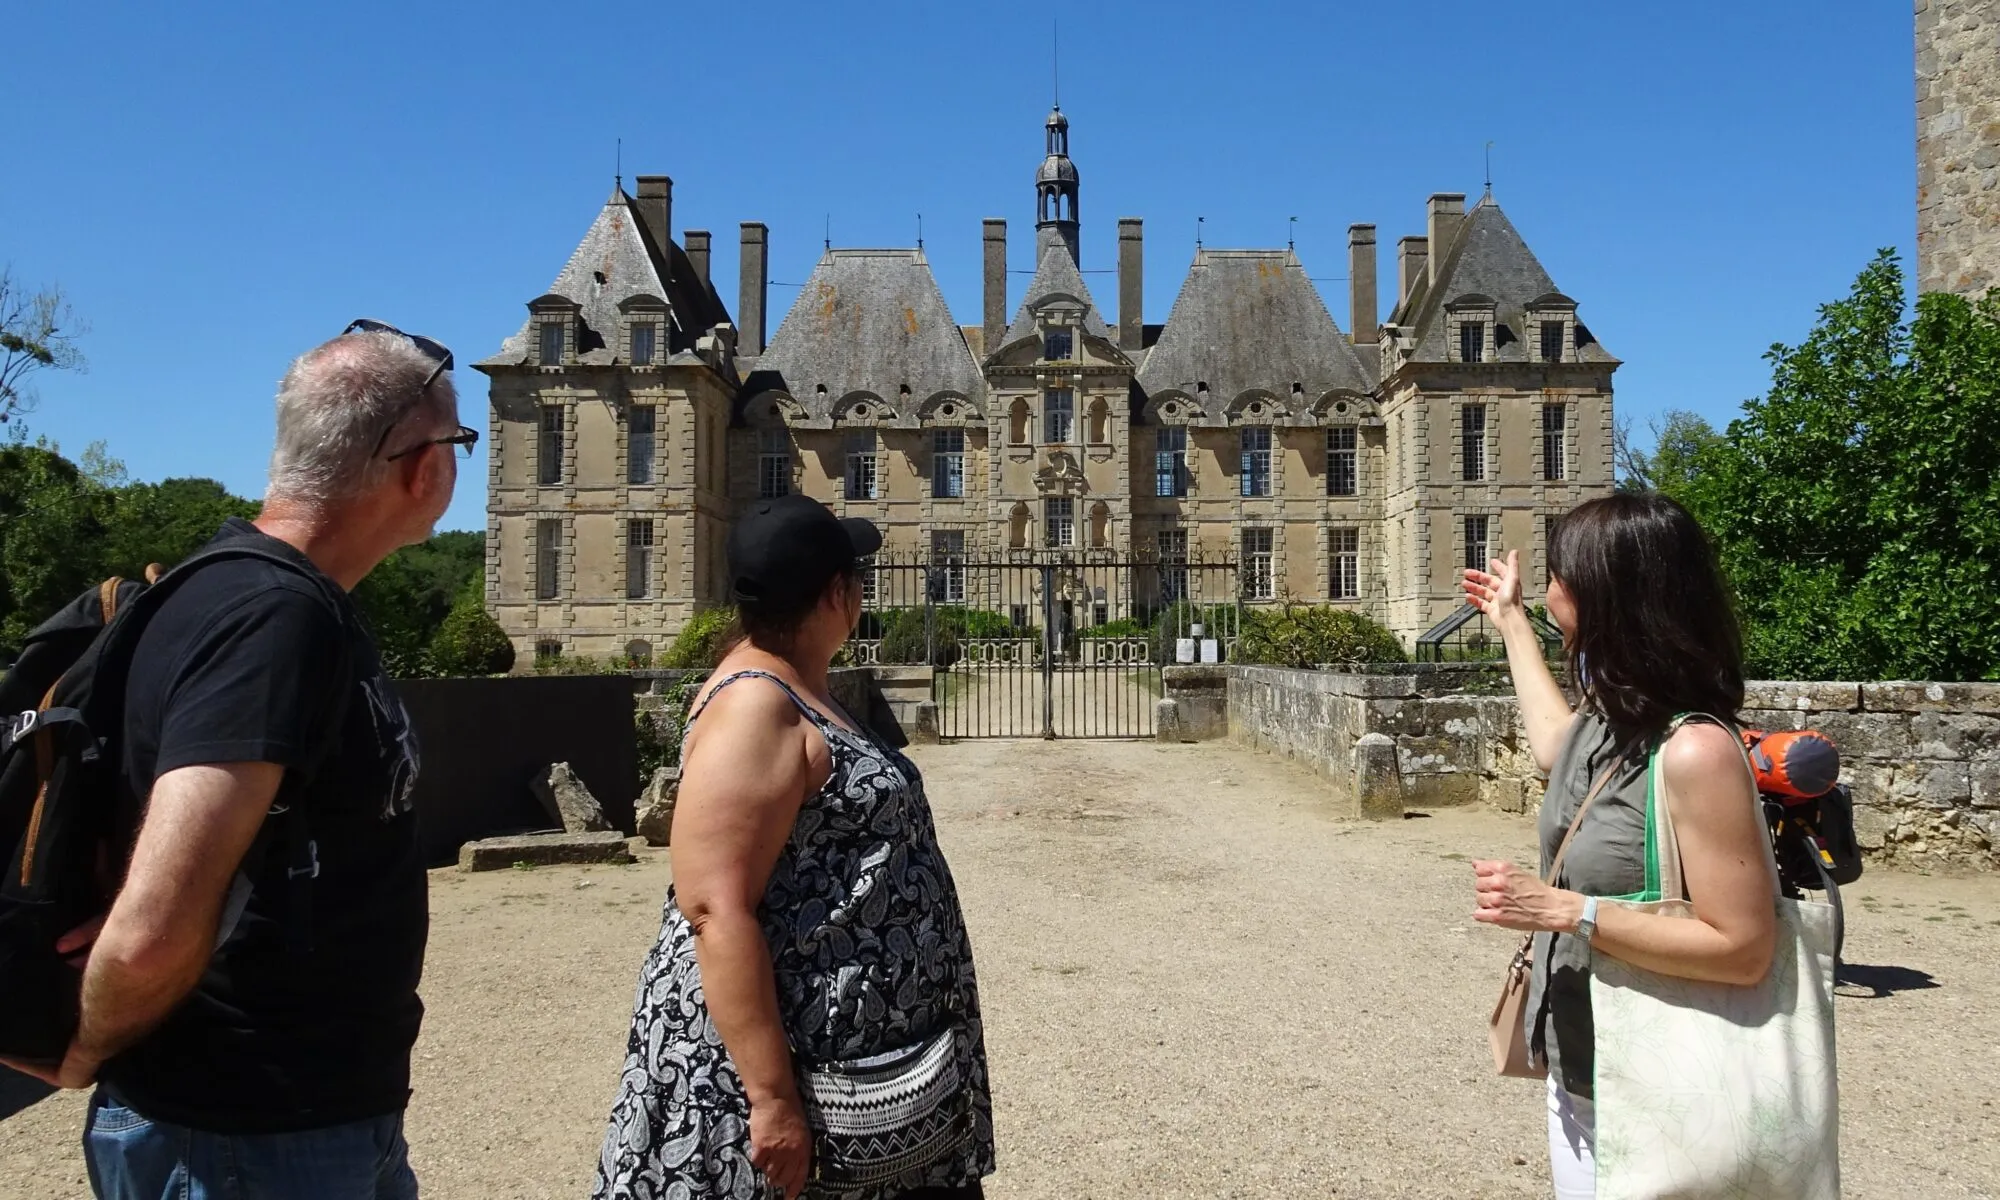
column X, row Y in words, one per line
column 1197, row 984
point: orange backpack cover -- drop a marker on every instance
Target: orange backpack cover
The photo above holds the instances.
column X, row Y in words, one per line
column 1794, row 764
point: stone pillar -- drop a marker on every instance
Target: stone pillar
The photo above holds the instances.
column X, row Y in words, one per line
column 1363, row 315
column 996, row 283
column 656, row 209
column 1412, row 255
column 1378, row 780
column 1131, row 284
column 1447, row 213
column 695, row 242
column 751, row 288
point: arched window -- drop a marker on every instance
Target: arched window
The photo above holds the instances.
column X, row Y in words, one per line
column 1017, row 527
column 638, row 653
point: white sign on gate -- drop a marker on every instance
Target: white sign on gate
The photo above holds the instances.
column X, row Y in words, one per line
column 1184, row 650
column 1210, row 650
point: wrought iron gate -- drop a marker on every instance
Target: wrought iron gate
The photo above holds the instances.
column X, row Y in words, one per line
column 1041, row 646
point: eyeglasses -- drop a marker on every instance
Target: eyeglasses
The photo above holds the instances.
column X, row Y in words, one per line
column 464, row 440
column 430, row 348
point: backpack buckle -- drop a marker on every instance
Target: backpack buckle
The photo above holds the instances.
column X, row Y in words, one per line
column 308, row 872
column 25, row 724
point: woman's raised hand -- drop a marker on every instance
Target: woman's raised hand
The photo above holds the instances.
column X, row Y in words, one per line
column 1497, row 593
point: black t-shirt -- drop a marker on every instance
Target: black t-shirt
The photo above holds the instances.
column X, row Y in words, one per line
column 249, row 662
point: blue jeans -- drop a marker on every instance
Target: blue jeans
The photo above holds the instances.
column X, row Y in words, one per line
column 132, row 1158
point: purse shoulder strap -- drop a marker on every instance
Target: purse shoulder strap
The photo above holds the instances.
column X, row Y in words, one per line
column 1597, row 789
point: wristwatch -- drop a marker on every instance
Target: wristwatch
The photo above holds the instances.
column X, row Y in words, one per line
column 1586, row 925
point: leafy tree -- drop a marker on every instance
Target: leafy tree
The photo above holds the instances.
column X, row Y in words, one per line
column 52, row 517
column 165, row 522
column 1856, row 505
column 37, row 332
column 470, row 641
column 407, row 597
column 1678, row 441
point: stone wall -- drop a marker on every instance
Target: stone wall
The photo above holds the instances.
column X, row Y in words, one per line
column 1922, row 759
column 1958, row 145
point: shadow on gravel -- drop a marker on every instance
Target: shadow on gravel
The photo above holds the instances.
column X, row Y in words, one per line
column 18, row 1091
column 1881, row 982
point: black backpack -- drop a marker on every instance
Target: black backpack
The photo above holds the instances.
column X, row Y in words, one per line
column 66, row 811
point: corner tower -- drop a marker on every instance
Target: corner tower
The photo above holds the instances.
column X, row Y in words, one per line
column 1055, row 191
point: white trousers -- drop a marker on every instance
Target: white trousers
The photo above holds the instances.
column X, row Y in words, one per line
column 1572, row 1144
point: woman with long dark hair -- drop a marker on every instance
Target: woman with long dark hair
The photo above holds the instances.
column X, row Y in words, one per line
column 808, row 1021
column 1651, row 637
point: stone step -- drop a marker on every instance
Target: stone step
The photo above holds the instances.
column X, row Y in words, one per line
column 544, row 850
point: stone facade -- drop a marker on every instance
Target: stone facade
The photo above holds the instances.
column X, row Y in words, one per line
column 1922, row 759
column 1958, row 145
column 631, row 419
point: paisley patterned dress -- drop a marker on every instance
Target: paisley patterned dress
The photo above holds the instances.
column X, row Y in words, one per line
column 870, row 955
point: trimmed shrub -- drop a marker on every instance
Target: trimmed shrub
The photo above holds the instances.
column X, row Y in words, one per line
column 698, row 646
column 470, row 641
column 1307, row 636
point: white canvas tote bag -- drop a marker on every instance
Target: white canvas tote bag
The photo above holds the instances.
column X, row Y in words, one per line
column 1707, row 1091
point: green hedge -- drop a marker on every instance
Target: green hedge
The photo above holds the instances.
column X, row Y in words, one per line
column 1307, row 636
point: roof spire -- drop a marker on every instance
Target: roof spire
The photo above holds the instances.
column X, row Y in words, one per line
column 1489, row 171
column 618, row 168
column 1055, row 61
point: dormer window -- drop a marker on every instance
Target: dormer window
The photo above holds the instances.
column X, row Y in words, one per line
column 1058, row 345
column 551, row 347
column 1472, row 341
column 1552, row 321
column 1471, row 330
column 644, row 336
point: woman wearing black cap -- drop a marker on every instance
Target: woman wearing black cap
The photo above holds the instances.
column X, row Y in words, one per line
column 807, row 1021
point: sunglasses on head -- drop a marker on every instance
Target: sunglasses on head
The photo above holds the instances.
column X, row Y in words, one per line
column 431, row 348
column 437, row 352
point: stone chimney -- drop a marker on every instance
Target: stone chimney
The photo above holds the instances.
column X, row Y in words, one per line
column 695, row 242
column 1447, row 214
column 1362, row 311
column 996, row 283
column 1412, row 254
column 753, row 282
column 1131, row 284
column 656, row 210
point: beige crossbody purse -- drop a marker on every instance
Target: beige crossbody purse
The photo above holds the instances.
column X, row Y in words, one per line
column 1507, row 1029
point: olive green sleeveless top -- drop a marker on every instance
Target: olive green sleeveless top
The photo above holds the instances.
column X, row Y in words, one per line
column 1608, row 858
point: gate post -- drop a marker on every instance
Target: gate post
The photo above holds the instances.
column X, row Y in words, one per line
column 1048, row 653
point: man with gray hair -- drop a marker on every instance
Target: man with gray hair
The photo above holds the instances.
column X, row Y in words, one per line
column 250, row 1002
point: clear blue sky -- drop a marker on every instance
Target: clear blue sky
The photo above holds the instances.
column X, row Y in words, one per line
column 218, row 192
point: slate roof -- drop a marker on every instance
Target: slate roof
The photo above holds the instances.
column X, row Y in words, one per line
column 1488, row 258
column 1250, row 319
column 869, row 321
column 1055, row 274
column 615, row 261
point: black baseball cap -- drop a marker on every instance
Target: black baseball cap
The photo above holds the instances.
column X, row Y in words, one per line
column 788, row 549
